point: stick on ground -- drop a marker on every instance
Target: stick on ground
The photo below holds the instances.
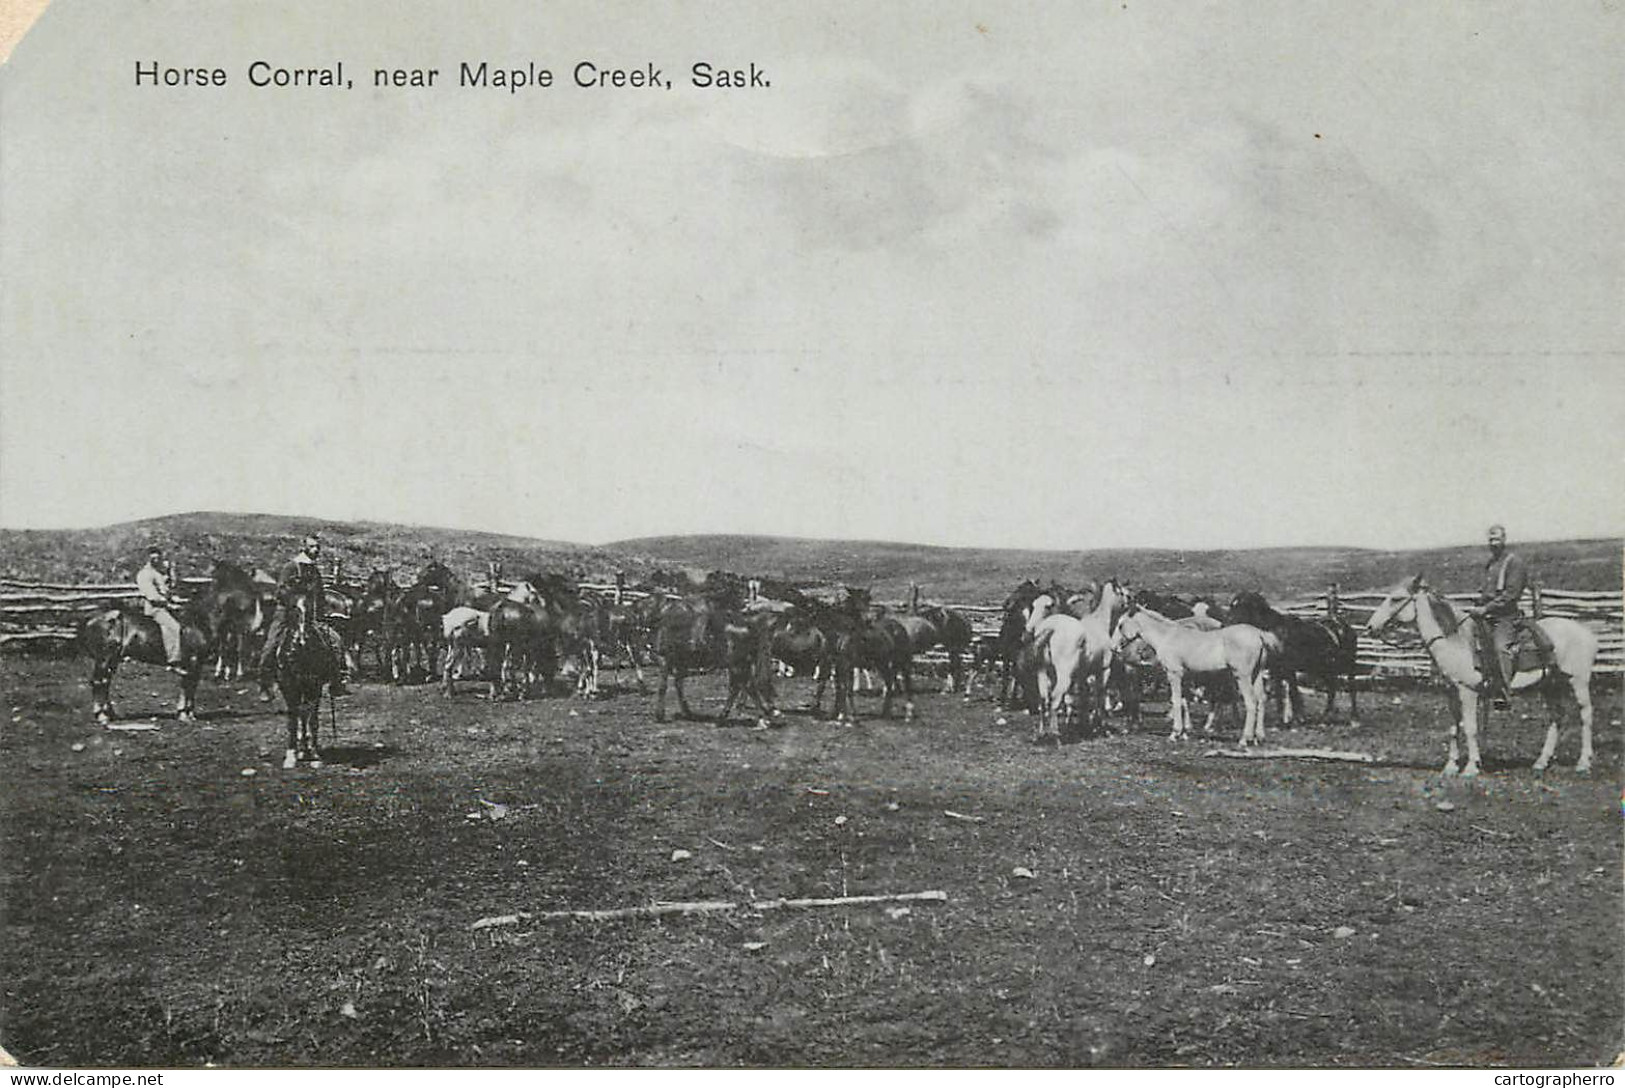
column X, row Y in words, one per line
column 706, row 906
column 1292, row 753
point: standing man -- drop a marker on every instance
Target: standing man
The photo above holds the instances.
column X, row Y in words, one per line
column 1500, row 589
column 152, row 581
column 301, row 575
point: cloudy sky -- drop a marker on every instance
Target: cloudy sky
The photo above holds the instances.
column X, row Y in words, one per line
column 1048, row 275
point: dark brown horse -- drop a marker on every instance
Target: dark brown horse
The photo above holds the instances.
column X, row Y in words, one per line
column 369, row 619
column 116, row 634
column 413, row 623
column 307, row 661
column 706, row 631
column 954, row 635
column 1018, row 663
column 1326, row 648
column 237, row 617
column 880, row 643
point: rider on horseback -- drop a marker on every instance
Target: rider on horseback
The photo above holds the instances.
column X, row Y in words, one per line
column 1497, row 614
column 152, row 581
column 302, row 577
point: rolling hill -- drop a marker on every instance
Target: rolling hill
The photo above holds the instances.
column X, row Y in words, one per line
column 962, row 575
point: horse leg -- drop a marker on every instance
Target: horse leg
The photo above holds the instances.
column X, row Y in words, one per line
column 1581, row 686
column 313, row 727
column 908, row 692
column 1554, row 707
column 1177, row 712
column 101, row 687
column 186, row 709
column 1474, row 709
column 660, row 699
column 290, row 758
column 637, row 669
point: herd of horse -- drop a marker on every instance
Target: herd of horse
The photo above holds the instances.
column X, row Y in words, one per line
column 1068, row 657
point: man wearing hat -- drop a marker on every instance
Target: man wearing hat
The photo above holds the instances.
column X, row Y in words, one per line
column 152, row 581
column 300, row 575
column 1500, row 589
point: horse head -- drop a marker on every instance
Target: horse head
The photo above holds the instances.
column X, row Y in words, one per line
column 1039, row 609
column 1394, row 607
column 300, row 609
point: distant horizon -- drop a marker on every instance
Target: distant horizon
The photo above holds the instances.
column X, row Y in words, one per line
column 552, row 538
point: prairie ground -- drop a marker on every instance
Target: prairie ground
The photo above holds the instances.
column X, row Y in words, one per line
column 1120, row 901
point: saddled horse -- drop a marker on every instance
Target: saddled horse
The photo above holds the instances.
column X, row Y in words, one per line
column 307, row 661
column 878, row 643
column 570, row 630
column 237, row 616
column 1241, row 651
column 804, row 638
column 1325, row 647
column 1449, row 642
column 954, row 635
column 518, row 645
column 114, row 635
column 369, row 619
column 702, row 631
column 467, row 631
column 413, row 622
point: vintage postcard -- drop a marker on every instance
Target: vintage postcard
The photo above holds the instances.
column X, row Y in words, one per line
column 917, row 535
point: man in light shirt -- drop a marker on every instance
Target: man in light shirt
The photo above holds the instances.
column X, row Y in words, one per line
column 152, row 581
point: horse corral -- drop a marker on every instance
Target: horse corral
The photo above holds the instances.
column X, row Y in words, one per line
column 468, row 879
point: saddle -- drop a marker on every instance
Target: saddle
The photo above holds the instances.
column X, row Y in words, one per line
column 1530, row 650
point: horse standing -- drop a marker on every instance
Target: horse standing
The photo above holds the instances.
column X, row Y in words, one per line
column 1449, row 643
column 236, row 616
column 369, row 619
column 879, row 643
column 116, row 634
column 307, row 661
column 1242, row 651
column 699, row 632
column 1073, row 658
column 1326, row 648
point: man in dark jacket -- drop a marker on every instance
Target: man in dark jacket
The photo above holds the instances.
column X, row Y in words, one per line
column 1500, row 588
column 301, row 575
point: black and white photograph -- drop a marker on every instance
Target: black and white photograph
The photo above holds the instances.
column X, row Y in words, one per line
column 914, row 536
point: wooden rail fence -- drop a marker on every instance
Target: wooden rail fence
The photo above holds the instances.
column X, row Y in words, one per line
column 35, row 611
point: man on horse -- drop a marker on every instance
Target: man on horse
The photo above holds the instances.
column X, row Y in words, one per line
column 152, row 581
column 302, row 577
column 1497, row 614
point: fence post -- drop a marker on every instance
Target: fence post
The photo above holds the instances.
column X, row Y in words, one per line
column 493, row 575
column 620, row 586
column 1332, row 605
column 338, row 570
column 1538, row 606
column 753, row 590
column 913, row 597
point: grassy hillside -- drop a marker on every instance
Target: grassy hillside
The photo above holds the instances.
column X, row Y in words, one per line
column 195, row 540
column 948, row 574
column 982, row 574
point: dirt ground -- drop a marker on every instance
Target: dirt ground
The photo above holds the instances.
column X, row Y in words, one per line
column 1121, row 901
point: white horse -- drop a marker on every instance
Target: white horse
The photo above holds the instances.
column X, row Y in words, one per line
column 464, row 630
column 1448, row 640
column 1242, row 651
column 1073, row 656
